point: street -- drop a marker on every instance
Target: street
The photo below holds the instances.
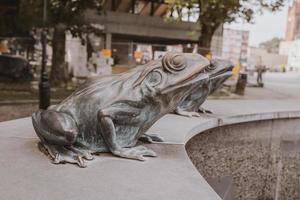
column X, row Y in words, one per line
column 276, row 86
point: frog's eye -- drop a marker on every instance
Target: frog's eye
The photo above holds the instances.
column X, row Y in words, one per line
column 153, row 78
column 174, row 62
column 210, row 67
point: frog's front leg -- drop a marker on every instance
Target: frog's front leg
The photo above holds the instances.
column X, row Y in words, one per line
column 108, row 132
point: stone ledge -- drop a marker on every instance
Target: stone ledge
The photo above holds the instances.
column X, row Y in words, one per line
column 27, row 174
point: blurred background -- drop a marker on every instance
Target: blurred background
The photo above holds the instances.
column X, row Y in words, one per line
column 49, row 47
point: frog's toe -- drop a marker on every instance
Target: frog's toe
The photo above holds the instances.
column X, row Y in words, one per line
column 187, row 113
column 127, row 153
column 84, row 153
column 47, row 150
column 194, row 114
column 75, row 159
column 151, row 138
column 157, row 138
column 144, row 151
column 203, row 110
column 60, row 154
column 81, row 163
column 64, row 158
column 136, row 153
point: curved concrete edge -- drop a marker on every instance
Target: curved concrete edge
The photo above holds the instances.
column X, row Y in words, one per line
column 27, row 173
column 178, row 129
column 230, row 120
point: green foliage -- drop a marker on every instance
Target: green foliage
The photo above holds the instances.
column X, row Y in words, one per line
column 30, row 13
column 67, row 12
column 213, row 13
column 62, row 15
column 70, row 12
column 230, row 9
column 9, row 26
column 220, row 11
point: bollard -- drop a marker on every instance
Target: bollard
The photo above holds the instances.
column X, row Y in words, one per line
column 241, row 84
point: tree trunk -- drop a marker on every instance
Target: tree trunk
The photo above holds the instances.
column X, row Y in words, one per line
column 205, row 38
column 59, row 72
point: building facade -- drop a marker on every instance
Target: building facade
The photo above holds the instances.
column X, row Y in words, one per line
column 293, row 21
column 294, row 56
column 128, row 24
column 272, row 61
column 235, row 46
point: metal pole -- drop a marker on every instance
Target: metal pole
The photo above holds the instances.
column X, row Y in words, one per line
column 133, row 6
column 151, row 8
column 113, row 5
column 44, row 86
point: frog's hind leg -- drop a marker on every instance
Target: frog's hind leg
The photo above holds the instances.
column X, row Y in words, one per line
column 66, row 154
column 58, row 133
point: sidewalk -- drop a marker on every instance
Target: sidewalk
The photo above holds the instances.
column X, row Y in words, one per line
column 276, row 86
column 28, row 174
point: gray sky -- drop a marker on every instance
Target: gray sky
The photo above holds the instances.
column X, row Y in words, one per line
column 266, row 26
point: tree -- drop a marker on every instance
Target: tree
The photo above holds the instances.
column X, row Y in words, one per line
column 272, row 46
column 62, row 15
column 9, row 25
column 214, row 13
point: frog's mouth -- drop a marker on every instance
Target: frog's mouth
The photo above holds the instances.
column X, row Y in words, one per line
column 226, row 71
column 195, row 78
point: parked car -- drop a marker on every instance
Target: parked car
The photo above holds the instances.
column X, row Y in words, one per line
column 14, row 68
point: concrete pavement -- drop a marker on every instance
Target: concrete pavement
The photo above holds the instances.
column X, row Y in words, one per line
column 27, row 174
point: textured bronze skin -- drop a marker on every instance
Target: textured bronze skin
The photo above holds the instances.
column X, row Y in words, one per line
column 111, row 113
column 218, row 71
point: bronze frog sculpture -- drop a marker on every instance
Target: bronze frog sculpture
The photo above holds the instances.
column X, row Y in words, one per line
column 218, row 71
column 111, row 113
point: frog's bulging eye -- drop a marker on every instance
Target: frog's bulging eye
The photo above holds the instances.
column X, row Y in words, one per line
column 154, row 78
column 174, row 62
column 210, row 67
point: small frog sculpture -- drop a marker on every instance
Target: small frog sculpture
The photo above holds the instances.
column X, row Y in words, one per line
column 218, row 71
column 111, row 113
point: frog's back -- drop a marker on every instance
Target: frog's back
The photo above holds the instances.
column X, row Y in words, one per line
column 96, row 94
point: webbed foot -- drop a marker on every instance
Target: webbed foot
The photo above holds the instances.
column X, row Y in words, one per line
column 136, row 153
column 151, row 138
column 188, row 113
column 66, row 154
column 203, row 110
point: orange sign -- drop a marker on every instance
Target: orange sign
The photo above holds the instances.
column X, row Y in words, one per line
column 138, row 55
column 208, row 56
column 235, row 71
column 3, row 47
column 106, row 53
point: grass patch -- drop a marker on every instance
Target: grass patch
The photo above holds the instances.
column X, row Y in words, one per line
column 23, row 91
